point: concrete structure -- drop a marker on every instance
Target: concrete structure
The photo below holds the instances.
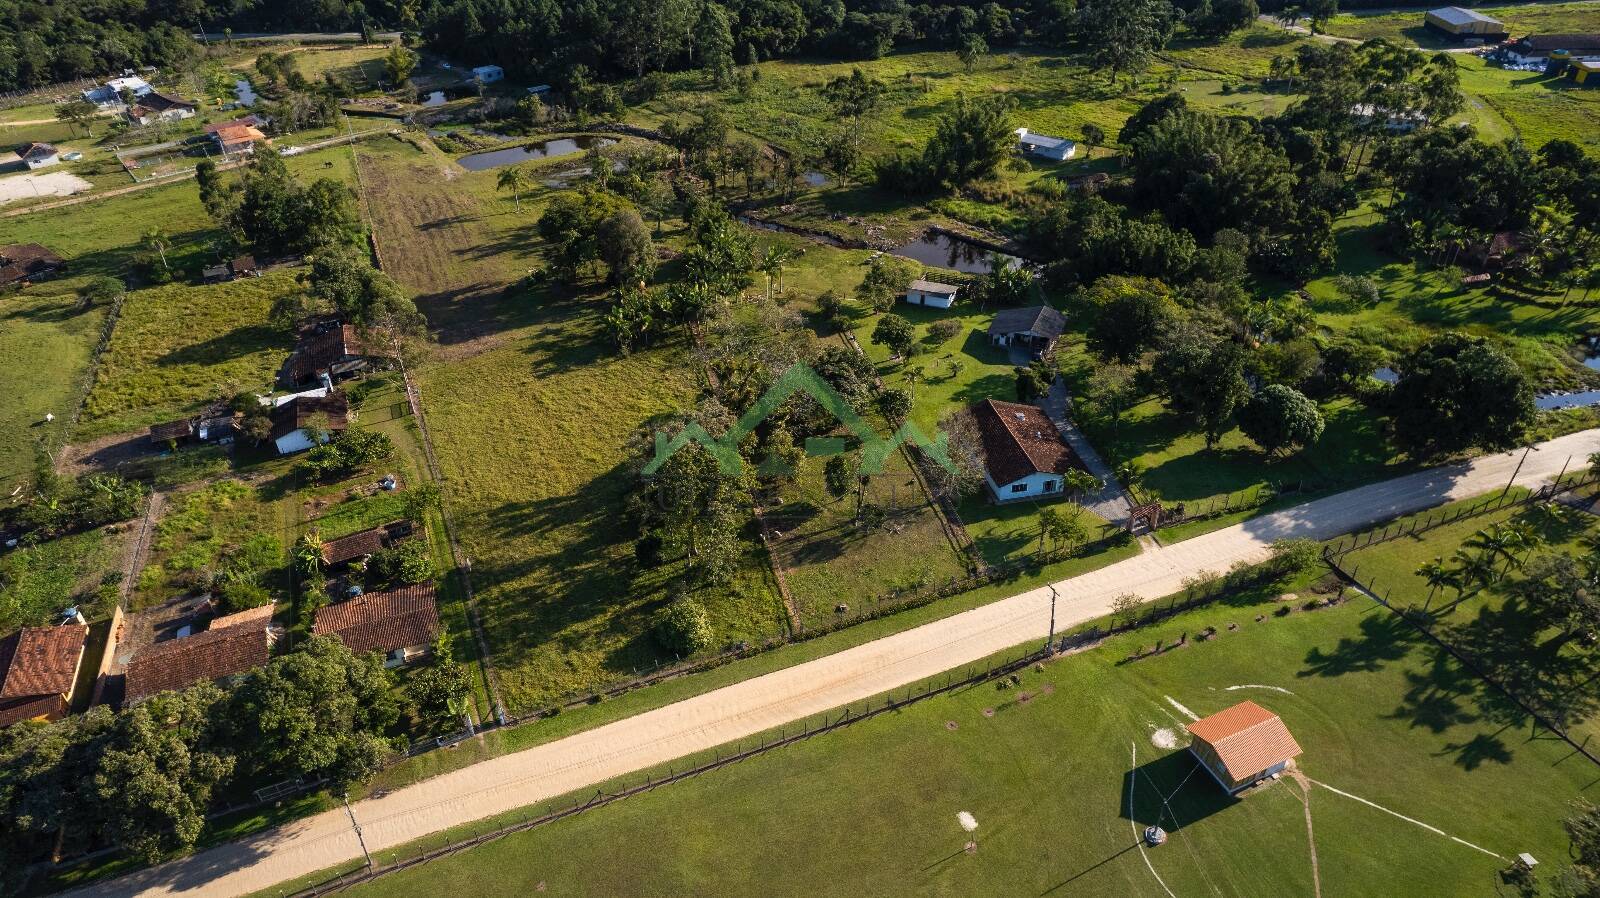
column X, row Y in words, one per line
column 236, row 139
column 1242, row 745
column 932, row 293
column 1059, row 149
column 1538, row 47
column 488, row 74
column 111, row 93
column 1024, row 456
column 1037, row 327
column 1583, row 72
column 1464, row 23
column 156, row 107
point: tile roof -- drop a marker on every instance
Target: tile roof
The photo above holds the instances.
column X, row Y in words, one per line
column 1041, row 321
column 23, row 260
column 261, row 614
column 346, row 548
column 187, row 660
column 47, row 707
column 934, row 287
column 41, row 660
column 246, row 121
column 1019, row 440
column 317, row 352
column 297, row 413
column 382, row 621
column 1574, row 42
column 1247, row 739
column 172, row 430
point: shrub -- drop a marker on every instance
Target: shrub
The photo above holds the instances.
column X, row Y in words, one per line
column 347, row 452
column 943, row 329
column 1293, row 556
column 402, row 564
column 684, row 628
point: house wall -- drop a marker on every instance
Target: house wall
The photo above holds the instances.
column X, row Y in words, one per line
column 1032, row 486
column 43, row 162
column 935, row 300
column 290, row 443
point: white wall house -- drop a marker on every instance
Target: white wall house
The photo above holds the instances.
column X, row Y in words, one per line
column 294, row 421
column 110, row 94
column 1059, row 149
column 1024, row 456
column 39, row 155
column 932, row 293
column 488, row 74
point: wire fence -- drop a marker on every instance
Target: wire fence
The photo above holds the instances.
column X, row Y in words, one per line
column 742, row 750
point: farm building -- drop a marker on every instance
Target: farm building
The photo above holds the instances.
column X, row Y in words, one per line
column 1538, row 47
column 400, row 623
column 233, row 644
column 1242, row 745
column 294, row 421
column 171, row 432
column 234, row 139
column 488, row 74
column 39, row 672
column 932, row 293
column 38, row 155
column 22, row 262
column 329, row 352
column 1035, row 144
column 1023, row 453
column 159, row 107
column 112, row 92
column 357, row 546
column 1464, row 23
column 1584, row 72
column 1037, row 327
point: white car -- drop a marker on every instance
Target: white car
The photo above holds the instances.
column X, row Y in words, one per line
column 73, row 156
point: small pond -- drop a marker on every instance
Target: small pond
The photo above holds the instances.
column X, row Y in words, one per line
column 548, row 149
column 945, row 251
column 815, row 179
column 243, row 93
column 1580, row 399
column 1387, row 375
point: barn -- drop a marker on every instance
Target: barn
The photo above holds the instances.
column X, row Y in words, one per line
column 1453, row 21
column 1242, row 745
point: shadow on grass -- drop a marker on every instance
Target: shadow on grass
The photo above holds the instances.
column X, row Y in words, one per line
column 1172, row 791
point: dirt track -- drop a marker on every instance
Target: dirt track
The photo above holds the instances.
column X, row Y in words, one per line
column 768, row 701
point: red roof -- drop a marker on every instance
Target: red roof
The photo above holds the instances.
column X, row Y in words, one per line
column 1019, row 440
column 382, row 621
column 345, row 548
column 1247, row 739
column 37, row 707
column 41, row 661
column 298, row 412
column 212, row 655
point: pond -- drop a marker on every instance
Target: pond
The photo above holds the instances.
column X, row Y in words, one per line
column 243, row 93
column 1580, row 399
column 815, row 179
column 945, row 251
column 441, row 97
column 1387, row 375
column 548, row 149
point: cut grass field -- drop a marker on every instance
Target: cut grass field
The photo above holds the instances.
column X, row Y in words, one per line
column 45, row 342
column 1076, row 741
column 37, row 582
column 178, row 348
column 1504, row 104
column 1405, row 27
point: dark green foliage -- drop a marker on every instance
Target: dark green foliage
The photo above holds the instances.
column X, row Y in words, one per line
column 1130, row 316
column 625, row 247
column 438, row 692
column 837, row 476
column 1281, row 418
column 570, row 226
column 1457, row 392
column 848, row 372
column 406, row 563
column 894, row 332
column 969, row 142
column 1085, row 237
column 343, row 280
column 1124, row 35
column 1203, row 380
column 58, row 505
column 684, row 628
column 274, row 214
column 895, row 404
column 347, row 452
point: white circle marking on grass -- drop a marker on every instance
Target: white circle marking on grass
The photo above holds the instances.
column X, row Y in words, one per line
column 1260, row 686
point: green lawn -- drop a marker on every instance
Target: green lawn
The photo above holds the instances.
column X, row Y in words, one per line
column 1534, row 108
column 37, row 582
column 178, row 348
column 45, row 343
column 200, row 525
column 1406, row 27
column 1047, row 771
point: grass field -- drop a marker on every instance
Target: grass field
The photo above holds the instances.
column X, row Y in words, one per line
column 1532, row 108
column 1047, row 770
column 45, row 342
column 178, row 348
column 37, row 582
column 199, row 526
column 1406, row 27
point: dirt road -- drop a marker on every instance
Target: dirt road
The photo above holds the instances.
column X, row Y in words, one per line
column 768, row 701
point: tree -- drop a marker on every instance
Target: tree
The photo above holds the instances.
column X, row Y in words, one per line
column 1281, row 418
column 100, row 289
column 1457, row 392
column 970, row 141
column 625, row 247
column 277, row 215
column 1112, row 390
column 403, row 564
column 1318, row 12
column 896, row 333
column 515, row 179
column 713, row 39
column 1125, row 608
column 1124, row 35
column 319, row 711
column 1093, row 136
column 853, row 95
column 895, row 405
column 398, row 65
column 343, row 279
column 1436, row 574
column 156, row 240
column 1129, row 316
column 886, row 281
column 837, row 474
column 438, row 692
column 1204, row 381
column 972, row 51
column 77, row 113
column 684, row 628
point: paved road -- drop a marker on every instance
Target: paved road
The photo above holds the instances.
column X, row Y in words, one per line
column 768, row 701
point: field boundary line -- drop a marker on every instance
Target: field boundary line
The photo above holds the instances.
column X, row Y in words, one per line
column 1427, row 826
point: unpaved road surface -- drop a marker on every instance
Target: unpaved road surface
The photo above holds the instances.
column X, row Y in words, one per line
column 771, row 700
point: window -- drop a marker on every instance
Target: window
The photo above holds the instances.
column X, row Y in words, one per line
column 1049, row 486
column 1019, row 487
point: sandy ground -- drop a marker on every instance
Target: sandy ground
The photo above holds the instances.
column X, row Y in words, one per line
column 28, row 186
column 768, row 701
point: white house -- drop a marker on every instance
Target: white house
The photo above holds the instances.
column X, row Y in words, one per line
column 1024, row 456
column 932, row 293
column 39, row 155
column 487, row 74
column 293, row 421
column 159, row 107
column 1058, row 148
column 1036, row 327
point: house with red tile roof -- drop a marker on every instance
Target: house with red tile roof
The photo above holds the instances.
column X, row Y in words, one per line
column 233, row 644
column 1024, row 456
column 38, row 672
column 1242, row 745
column 400, row 623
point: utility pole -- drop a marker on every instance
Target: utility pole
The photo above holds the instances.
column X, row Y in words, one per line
column 1518, row 469
column 359, row 837
column 1050, row 639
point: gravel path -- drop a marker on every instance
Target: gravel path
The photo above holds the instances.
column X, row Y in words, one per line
column 768, row 701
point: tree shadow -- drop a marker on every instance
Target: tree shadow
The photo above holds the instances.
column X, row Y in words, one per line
column 1384, row 638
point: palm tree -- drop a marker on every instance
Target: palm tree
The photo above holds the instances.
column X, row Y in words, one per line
column 156, row 239
column 515, row 179
column 773, row 259
column 1436, row 573
column 1473, row 569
